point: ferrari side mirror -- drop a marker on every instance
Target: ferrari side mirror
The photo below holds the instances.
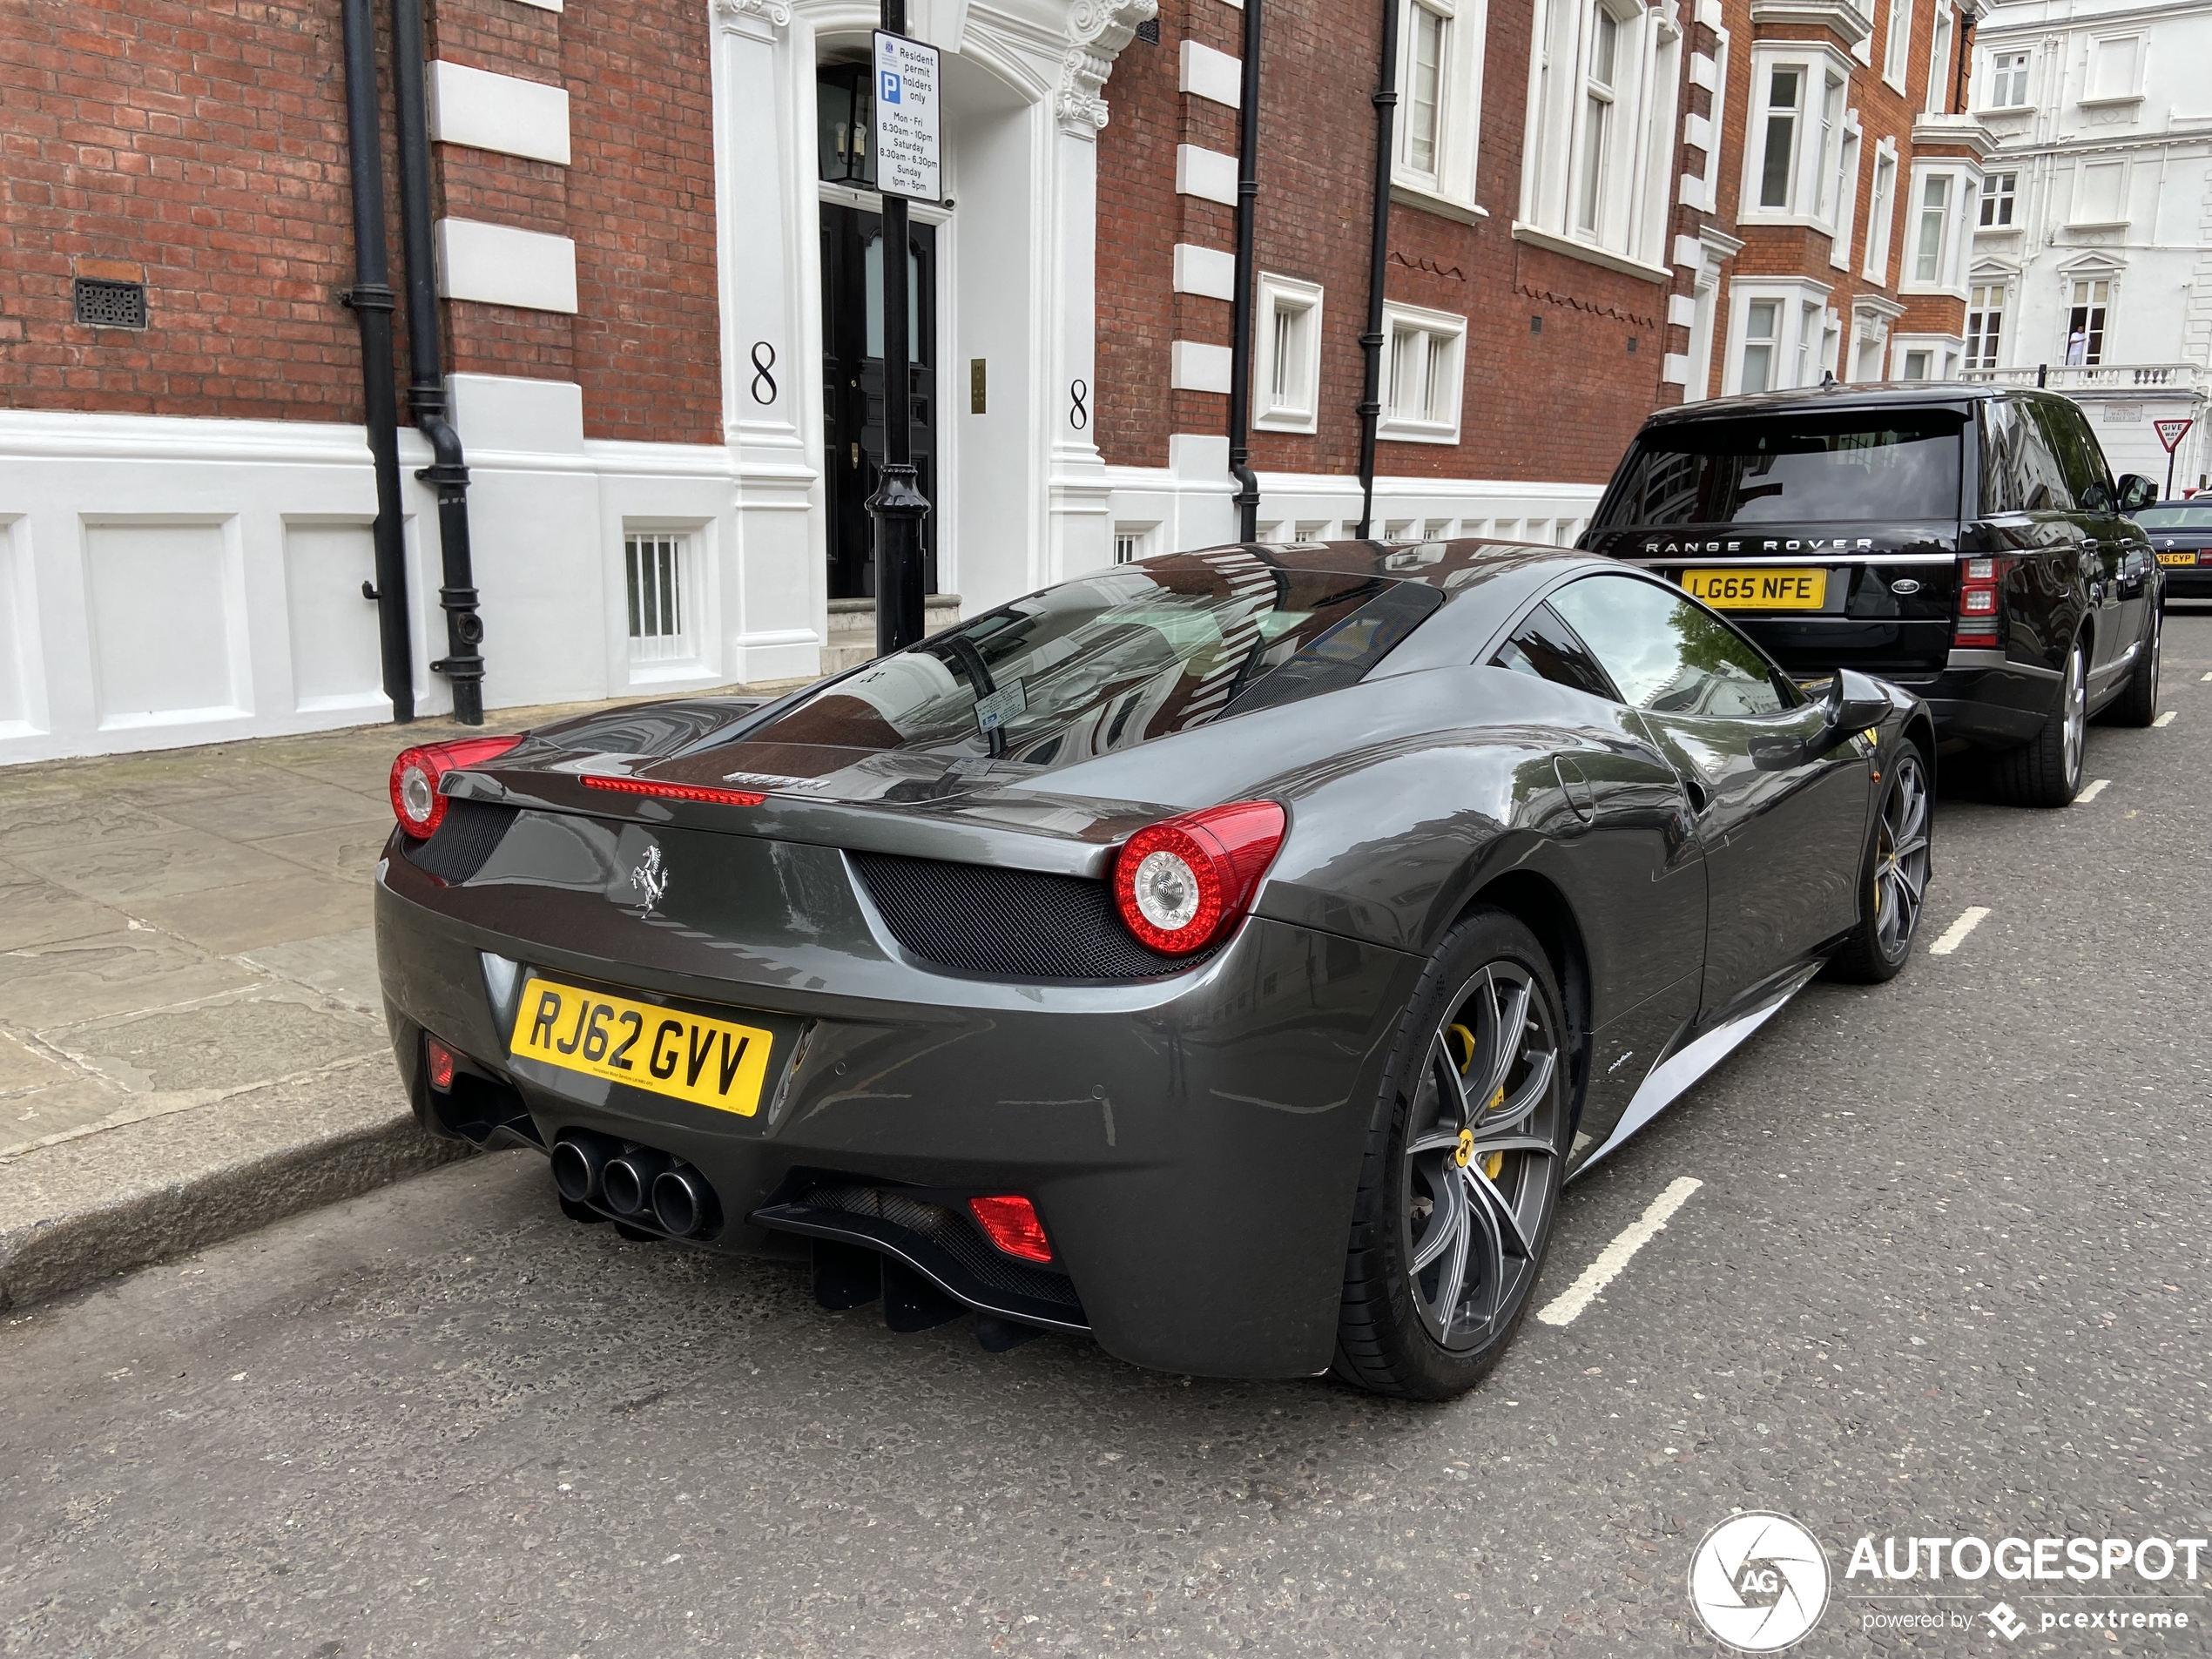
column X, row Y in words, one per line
column 1853, row 702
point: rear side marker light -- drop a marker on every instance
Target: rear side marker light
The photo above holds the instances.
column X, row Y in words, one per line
column 1012, row 1225
column 418, row 779
column 1182, row 884
column 676, row 791
column 440, row 1066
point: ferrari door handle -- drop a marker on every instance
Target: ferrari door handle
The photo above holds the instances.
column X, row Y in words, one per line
column 1700, row 797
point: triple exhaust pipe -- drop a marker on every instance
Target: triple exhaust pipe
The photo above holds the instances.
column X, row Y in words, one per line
column 634, row 1184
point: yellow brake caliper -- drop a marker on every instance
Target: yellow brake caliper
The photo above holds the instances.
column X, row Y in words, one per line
column 1465, row 1154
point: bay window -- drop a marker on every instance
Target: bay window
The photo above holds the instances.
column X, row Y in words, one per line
column 1937, row 230
column 1603, row 81
column 1779, row 335
column 1440, row 98
column 1794, row 151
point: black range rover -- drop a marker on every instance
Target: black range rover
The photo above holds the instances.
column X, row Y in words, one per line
column 1967, row 542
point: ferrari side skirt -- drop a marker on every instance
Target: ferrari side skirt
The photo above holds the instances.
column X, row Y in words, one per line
column 1671, row 1076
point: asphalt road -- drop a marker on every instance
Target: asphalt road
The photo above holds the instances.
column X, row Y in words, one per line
column 1945, row 1275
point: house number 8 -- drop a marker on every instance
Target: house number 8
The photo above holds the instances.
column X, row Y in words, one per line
column 1078, row 411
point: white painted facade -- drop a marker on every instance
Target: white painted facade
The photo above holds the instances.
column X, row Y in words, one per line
column 171, row 581
column 2102, row 188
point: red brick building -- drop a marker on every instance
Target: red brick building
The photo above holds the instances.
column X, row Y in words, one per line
column 657, row 252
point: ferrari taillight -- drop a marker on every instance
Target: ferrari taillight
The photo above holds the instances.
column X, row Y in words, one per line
column 1011, row 1223
column 418, row 777
column 1980, row 580
column 1182, row 884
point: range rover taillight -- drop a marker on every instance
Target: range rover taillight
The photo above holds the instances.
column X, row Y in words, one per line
column 1980, row 580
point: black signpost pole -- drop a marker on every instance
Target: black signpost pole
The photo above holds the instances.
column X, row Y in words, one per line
column 897, row 506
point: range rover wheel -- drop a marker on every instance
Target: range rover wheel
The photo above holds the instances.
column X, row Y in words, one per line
column 2047, row 772
column 1461, row 1177
column 1894, row 880
column 2137, row 704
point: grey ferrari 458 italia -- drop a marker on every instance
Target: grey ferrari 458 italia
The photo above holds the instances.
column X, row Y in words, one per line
column 1229, row 955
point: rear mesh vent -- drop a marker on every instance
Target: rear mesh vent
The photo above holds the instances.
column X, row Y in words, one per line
column 1018, row 922
column 953, row 1233
column 472, row 829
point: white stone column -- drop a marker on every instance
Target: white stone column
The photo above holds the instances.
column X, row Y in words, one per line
column 774, row 613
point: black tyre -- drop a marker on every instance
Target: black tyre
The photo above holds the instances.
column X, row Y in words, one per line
column 2137, row 704
column 1461, row 1180
column 2047, row 772
column 1894, row 880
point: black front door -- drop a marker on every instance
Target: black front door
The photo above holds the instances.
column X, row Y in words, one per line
column 852, row 386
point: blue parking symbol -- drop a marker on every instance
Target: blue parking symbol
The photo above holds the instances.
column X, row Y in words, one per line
column 890, row 92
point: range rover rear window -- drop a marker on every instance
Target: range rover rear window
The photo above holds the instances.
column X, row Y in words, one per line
column 1887, row 465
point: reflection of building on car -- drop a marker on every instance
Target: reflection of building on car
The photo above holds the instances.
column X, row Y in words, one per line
column 1967, row 541
column 2180, row 539
column 1230, row 956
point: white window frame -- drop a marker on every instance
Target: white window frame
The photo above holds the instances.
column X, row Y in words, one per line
column 1297, row 409
column 1447, row 184
column 2068, row 281
column 1847, row 170
column 1937, row 98
column 2091, row 99
column 1438, row 423
column 1135, row 539
column 1797, row 342
column 2002, row 310
column 1635, row 171
column 689, row 653
column 1943, row 354
column 1896, row 46
column 1871, row 319
column 2001, row 80
column 1988, row 198
column 1821, row 117
column 1962, row 189
column 1881, row 212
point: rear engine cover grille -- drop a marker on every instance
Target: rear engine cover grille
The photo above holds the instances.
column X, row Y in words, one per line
column 472, row 829
column 1022, row 923
column 953, row 1233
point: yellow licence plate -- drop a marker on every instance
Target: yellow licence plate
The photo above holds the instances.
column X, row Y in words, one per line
column 718, row 1063
column 2177, row 558
column 1758, row 590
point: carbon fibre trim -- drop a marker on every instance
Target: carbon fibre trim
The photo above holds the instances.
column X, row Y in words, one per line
column 471, row 832
column 1022, row 924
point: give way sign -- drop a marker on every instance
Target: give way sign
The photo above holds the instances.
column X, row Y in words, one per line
column 2170, row 432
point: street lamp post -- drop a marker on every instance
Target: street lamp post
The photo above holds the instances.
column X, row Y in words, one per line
column 897, row 506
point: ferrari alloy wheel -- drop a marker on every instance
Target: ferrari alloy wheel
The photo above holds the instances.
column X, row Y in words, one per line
column 1457, row 1202
column 1894, row 885
column 2047, row 772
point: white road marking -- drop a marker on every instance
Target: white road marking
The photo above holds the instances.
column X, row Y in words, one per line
column 1955, row 934
column 2166, row 718
column 1562, row 1308
column 2092, row 792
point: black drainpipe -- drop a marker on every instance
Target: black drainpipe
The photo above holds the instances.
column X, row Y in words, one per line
column 370, row 300
column 1371, row 343
column 1240, row 347
column 426, row 394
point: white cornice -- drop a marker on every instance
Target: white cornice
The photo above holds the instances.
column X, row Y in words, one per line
column 1841, row 17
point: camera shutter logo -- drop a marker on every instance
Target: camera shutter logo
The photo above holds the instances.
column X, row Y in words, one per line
column 1759, row 1582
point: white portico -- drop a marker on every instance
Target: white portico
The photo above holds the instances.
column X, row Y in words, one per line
column 1004, row 300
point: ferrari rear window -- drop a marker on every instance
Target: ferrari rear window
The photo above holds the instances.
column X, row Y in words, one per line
column 1097, row 664
column 1890, row 464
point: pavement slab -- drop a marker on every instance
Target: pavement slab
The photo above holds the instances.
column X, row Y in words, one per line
column 82, row 979
column 282, row 904
column 34, row 911
column 253, row 1037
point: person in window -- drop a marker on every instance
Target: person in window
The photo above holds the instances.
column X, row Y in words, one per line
column 2077, row 347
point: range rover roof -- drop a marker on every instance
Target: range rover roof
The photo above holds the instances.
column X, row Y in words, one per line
column 1884, row 394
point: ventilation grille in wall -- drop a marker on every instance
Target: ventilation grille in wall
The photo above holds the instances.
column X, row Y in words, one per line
column 102, row 304
column 1149, row 31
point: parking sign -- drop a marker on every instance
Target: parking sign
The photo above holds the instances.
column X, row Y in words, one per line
column 906, row 157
